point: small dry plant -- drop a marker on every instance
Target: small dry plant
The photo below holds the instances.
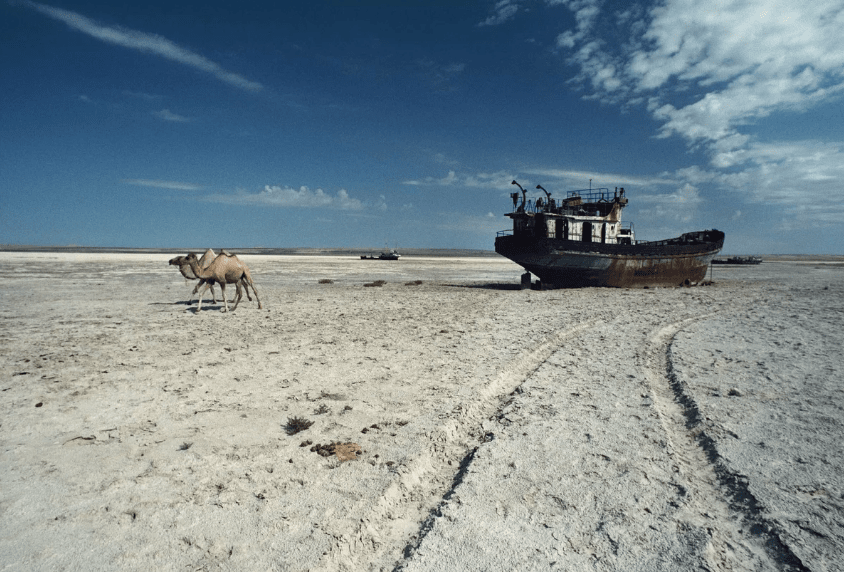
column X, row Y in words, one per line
column 377, row 284
column 321, row 409
column 297, row 424
column 413, row 283
column 326, row 281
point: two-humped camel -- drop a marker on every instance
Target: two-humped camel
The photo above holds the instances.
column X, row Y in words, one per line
column 225, row 269
column 207, row 259
column 204, row 262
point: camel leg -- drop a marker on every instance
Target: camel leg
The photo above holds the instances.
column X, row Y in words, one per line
column 238, row 294
column 247, row 279
column 245, row 285
column 225, row 298
column 254, row 291
column 201, row 292
column 206, row 284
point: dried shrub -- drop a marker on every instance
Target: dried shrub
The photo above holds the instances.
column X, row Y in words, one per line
column 326, row 281
column 297, row 424
column 414, row 283
column 321, row 409
column 343, row 451
column 376, row 284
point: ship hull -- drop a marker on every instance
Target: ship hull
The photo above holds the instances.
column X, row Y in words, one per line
column 568, row 264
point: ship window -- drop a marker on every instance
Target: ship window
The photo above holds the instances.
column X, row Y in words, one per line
column 587, row 232
column 558, row 228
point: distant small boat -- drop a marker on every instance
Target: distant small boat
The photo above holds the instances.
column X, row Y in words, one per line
column 738, row 260
column 386, row 255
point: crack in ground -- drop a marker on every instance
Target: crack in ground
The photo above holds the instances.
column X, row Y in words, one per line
column 736, row 485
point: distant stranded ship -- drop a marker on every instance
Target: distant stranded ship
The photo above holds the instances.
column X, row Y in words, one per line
column 385, row 255
column 581, row 241
column 738, row 260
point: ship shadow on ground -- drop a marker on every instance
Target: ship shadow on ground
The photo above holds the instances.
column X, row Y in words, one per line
column 489, row 286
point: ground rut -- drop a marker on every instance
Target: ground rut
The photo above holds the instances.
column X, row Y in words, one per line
column 739, row 539
column 395, row 520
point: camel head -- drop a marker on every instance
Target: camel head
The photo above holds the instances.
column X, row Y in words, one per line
column 180, row 260
column 184, row 266
column 191, row 260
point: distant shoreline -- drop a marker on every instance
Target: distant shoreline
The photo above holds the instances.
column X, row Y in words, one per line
column 428, row 252
column 424, row 252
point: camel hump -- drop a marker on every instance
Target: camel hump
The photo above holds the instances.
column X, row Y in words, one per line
column 226, row 252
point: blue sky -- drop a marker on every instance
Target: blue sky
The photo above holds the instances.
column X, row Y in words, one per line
column 322, row 124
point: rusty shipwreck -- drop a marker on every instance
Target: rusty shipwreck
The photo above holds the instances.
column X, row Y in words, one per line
column 581, row 241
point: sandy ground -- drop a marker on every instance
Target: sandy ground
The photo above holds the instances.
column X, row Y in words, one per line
column 499, row 429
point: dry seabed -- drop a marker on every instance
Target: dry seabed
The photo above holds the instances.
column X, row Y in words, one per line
column 499, row 429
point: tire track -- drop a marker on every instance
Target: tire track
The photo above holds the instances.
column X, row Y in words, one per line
column 716, row 495
column 422, row 486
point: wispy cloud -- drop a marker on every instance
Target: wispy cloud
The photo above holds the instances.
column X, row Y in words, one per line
column 475, row 224
column 142, row 95
column 680, row 204
column 444, row 181
column 381, row 204
column 580, row 179
column 441, row 76
column 443, row 159
column 502, row 11
column 783, row 173
column 168, row 115
column 303, row 197
column 144, row 42
column 499, row 180
column 162, row 184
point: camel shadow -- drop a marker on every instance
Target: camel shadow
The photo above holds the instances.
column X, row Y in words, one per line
column 192, row 303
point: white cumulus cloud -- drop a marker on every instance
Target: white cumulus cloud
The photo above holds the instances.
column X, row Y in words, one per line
column 709, row 71
column 303, row 197
column 705, row 69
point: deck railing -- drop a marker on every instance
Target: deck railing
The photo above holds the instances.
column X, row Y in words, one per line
column 592, row 195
